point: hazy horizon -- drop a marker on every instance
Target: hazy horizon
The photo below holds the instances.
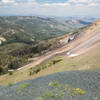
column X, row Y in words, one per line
column 60, row 8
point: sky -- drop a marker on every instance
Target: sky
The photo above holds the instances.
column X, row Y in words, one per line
column 75, row 8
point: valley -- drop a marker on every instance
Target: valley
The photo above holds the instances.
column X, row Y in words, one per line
column 66, row 65
column 23, row 37
column 80, row 62
column 49, row 50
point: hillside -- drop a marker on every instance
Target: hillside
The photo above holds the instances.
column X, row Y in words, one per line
column 26, row 37
column 58, row 60
column 78, row 57
column 87, row 39
column 31, row 29
column 75, row 85
column 14, row 55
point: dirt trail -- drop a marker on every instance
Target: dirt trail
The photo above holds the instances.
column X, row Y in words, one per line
column 86, row 39
column 42, row 58
column 84, row 46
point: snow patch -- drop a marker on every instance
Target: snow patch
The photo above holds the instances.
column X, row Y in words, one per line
column 72, row 55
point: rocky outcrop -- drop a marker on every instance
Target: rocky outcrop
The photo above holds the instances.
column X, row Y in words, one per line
column 2, row 39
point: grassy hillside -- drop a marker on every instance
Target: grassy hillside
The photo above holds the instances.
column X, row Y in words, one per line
column 16, row 54
column 87, row 61
column 25, row 37
column 73, row 78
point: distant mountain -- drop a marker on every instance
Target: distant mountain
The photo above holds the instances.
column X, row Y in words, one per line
column 25, row 37
column 74, row 85
column 30, row 29
column 74, row 21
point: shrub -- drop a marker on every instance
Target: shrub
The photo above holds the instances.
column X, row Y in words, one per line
column 10, row 84
column 1, row 70
column 22, row 87
column 57, row 91
column 10, row 73
column 30, row 73
column 56, row 61
column 44, row 66
column 40, row 98
column 59, row 95
column 79, row 91
column 48, row 95
column 37, row 69
column 54, row 84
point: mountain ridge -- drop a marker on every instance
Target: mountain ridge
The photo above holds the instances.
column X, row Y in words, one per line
column 33, row 29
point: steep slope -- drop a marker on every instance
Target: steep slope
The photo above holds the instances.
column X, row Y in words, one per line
column 87, row 39
column 22, row 37
column 87, row 60
column 75, row 85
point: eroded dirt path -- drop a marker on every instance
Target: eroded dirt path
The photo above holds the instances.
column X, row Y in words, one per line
column 68, row 48
column 87, row 38
column 84, row 46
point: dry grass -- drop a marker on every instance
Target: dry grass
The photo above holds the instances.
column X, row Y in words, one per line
column 87, row 61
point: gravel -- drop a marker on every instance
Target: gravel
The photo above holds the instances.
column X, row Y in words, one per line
column 87, row 80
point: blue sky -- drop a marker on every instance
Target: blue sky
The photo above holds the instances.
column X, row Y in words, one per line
column 84, row 8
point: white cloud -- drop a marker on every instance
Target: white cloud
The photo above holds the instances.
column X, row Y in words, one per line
column 31, row 7
column 83, row 1
column 7, row 1
column 94, row 4
column 57, row 4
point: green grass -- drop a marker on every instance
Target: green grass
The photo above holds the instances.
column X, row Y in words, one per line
column 22, row 87
column 59, row 90
column 44, row 66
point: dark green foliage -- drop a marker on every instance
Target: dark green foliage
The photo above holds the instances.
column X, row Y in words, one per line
column 1, row 70
column 15, row 55
column 8, row 60
column 40, row 67
column 10, row 73
column 10, row 84
column 56, row 61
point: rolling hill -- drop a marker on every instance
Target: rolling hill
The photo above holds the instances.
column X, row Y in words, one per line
column 24, row 37
column 30, row 29
column 87, row 60
column 79, row 58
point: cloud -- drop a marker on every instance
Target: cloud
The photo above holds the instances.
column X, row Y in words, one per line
column 68, row 8
column 82, row 1
column 7, row 1
column 56, row 4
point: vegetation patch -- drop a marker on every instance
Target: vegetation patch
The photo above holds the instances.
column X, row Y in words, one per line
column 40, row 67
column 22, row 87
column 10, row 84
column 10, row 73
column 59, row 90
